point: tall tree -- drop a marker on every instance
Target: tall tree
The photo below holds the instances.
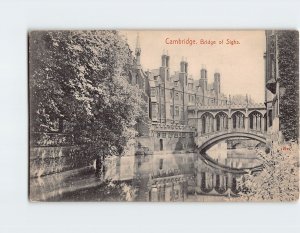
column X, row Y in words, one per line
column 81, row 77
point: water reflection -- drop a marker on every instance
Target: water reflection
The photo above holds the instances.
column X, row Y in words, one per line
column 182, row 177
column 236, row 154
column 162, row 176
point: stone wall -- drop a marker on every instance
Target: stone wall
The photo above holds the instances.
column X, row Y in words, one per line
column 52, row 153
column 173, row 141
column 49, row 160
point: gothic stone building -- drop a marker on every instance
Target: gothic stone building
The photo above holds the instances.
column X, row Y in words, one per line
column 166, row 127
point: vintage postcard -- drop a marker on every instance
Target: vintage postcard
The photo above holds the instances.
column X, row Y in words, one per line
column 163, row 116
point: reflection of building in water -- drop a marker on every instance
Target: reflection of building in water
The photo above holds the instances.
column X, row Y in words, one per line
column 171, row 188
column 242, row 158
column 236, row 153
column 214, row 181
column 168, row 162
column 218, row 152
column 167, row 178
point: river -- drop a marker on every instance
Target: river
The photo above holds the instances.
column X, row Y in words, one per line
column 167, row 176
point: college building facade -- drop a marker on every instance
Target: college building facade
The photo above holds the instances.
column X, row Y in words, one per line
column 169, row 95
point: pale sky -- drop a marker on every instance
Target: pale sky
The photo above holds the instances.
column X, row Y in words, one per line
column 241, row 65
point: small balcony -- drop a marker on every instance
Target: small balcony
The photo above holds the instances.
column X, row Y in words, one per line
column 271, row 85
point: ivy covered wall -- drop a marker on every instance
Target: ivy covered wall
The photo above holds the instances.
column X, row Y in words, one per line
column 288, row 69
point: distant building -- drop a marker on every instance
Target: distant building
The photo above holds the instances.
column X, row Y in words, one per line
column 172, row 94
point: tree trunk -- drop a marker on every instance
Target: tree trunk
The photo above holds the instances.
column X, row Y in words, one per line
column 100, row 167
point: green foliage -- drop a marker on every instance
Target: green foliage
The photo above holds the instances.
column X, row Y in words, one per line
column 279, row 179
column 288, row 66
column 81, row 77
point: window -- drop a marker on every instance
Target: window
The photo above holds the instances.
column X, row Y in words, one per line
column 153, row 91
column 177, row 96
column 158, row 135
column 154, row 110
column 161, row 162
column 270, row 118
column 176, row 83
column 176, row 111
column 162, row 109
column 176, row 135
column 164, row 135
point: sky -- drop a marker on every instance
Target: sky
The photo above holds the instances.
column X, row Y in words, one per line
column 241, row 65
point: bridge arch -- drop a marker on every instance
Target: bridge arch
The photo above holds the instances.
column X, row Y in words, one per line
column 200, row 114
column 221, row 111
column 209, row 142
column 236, row 111
column 262, row 112
column 215, row 113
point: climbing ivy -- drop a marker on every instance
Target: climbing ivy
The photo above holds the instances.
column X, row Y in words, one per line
column 288, row 66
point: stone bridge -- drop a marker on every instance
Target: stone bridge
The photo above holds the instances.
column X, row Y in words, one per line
column 216, row 118
column 214, row 178
column 217, row 123
column 205, row 141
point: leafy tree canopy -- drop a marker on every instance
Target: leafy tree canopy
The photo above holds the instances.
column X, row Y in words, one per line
column 81, row 77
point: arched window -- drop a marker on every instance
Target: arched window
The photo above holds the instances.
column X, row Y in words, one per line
column 207, row 122
column 222, row 121
column 255, row 119
column 238, row 120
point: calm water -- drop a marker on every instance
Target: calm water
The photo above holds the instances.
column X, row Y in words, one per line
column 163, row 176
column 242, row 157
